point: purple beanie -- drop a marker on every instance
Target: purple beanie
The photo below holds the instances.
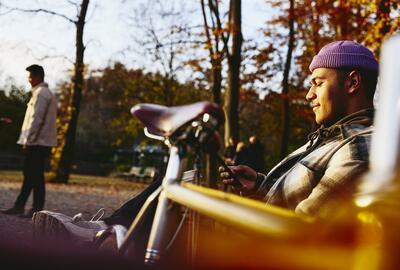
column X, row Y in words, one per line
column 344, row 54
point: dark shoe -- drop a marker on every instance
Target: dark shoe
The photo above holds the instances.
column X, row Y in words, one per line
column 13, row 211
column 29, row 213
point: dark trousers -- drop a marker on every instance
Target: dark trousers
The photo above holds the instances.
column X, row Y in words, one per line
column 34, row 165
column 128, row 211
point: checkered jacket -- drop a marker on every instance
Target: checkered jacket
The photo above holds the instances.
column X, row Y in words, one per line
column 332, row 159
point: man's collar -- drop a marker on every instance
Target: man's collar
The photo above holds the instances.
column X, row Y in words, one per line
column 38, row 85
column 363, row 117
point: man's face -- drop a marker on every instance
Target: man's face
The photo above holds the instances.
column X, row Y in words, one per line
column 34, row 79
column 327, row 96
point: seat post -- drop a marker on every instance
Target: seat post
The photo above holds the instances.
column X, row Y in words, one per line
column 159, row 235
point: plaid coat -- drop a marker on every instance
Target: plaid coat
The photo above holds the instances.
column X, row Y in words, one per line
column 308, row 179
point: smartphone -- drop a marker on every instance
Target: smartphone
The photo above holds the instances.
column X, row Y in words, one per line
column 236, row 183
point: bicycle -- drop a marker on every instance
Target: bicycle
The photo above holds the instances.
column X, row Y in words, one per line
column 188, row 129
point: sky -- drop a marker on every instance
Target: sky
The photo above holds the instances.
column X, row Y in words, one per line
column 27, row 38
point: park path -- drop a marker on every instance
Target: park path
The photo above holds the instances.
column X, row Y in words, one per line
column 68, row 199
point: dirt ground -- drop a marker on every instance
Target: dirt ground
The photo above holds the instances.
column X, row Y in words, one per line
column 68, row 199
column 20, row 250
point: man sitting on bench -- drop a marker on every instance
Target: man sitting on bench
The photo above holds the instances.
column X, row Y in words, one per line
column 343, row 82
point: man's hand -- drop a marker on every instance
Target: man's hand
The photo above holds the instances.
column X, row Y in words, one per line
column 246, row 175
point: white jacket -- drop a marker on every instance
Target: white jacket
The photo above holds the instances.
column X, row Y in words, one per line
column 39, row 127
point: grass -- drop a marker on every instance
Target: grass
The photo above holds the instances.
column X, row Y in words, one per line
column 77, row 179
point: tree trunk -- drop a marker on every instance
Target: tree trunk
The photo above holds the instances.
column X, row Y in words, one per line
column 64, row 166
column 384, row 23
column 216, row 81
column 342, row 31
column 315, row 26
column 285, row 86
column 232, row 93
column 211, row 170
column 214, row 50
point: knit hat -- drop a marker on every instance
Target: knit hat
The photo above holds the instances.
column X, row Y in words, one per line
column 344, row 54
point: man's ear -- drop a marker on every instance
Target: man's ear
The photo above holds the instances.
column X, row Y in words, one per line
column 353, row 82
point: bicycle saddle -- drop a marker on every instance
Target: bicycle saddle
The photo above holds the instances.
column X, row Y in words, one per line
column 164, row 121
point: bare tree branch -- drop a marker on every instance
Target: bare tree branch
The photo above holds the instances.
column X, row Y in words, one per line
column 215, row 10
column 72, row 3
column 206, row 29
column 6, row 12
column 55, row 56
column 39, row 10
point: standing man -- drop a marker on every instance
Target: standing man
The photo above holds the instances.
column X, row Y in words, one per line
column 38, row 135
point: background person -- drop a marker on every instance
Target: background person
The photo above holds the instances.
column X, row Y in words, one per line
column 242, row 154
column 230, row 149
column 256, row 154
column 38, row 135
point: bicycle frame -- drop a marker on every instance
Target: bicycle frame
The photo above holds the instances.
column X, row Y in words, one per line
column 158, row 240
column 189, row 132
